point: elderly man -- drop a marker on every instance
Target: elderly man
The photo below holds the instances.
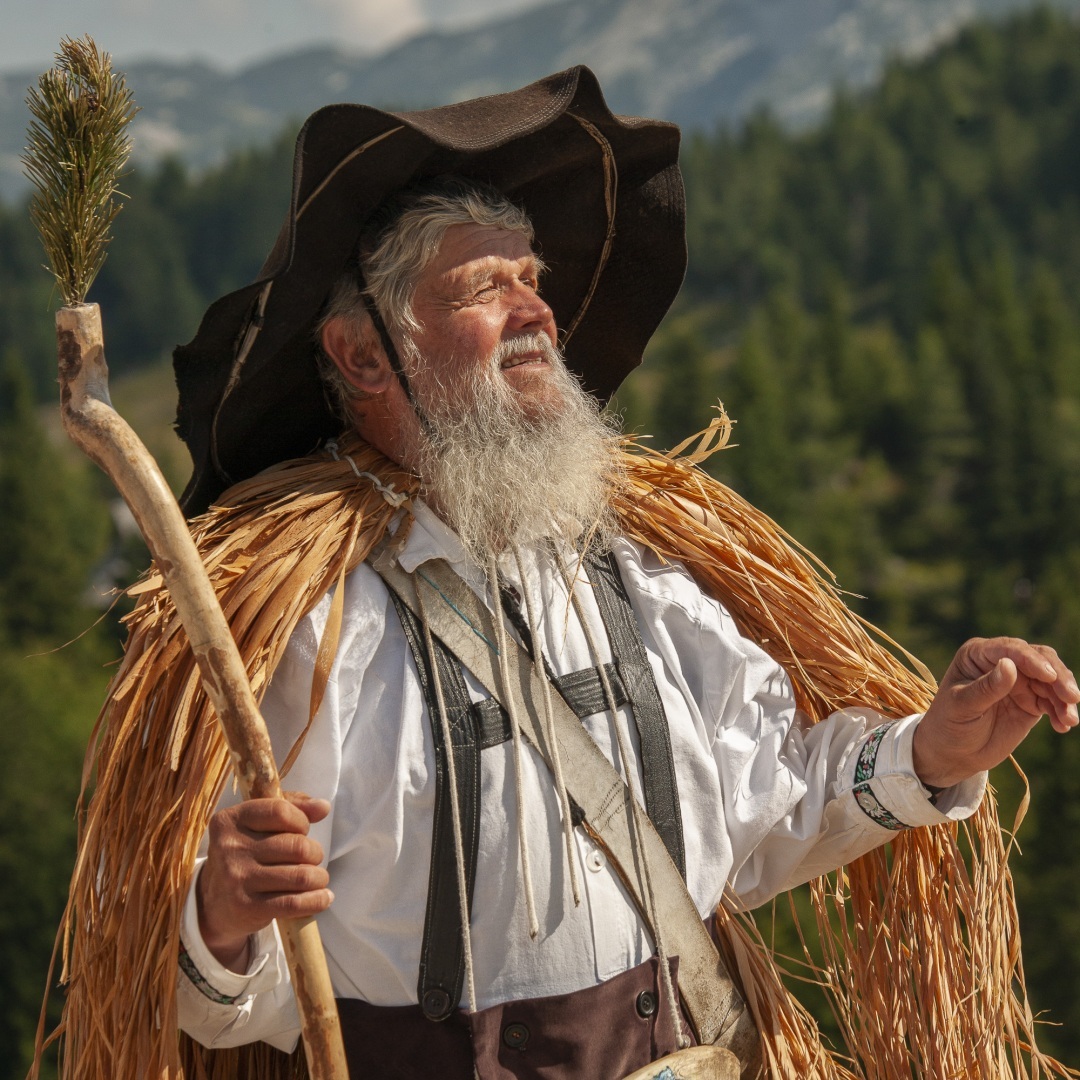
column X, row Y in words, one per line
column 478, row 916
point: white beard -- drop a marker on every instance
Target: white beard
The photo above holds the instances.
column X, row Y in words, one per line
column 503, row 470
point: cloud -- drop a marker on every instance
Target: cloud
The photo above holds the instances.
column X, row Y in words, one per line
column 227, row 33
column 373, row 24
column 457, row 13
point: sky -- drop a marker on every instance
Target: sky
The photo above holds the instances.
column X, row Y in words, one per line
column 227, row 33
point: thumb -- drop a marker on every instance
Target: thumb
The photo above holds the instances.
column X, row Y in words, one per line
column 988, row 689
column 314, row 809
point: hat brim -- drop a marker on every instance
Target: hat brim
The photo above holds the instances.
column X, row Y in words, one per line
column 606, row 200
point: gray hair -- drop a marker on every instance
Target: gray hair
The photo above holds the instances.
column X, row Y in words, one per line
column 398, row 243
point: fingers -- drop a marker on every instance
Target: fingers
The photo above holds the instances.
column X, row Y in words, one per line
column 261, row 865
column 1053, row 687
column 1038, row 662
column 1064, row 694
column 997, row 682
column 313, row 809
column 284, row 849
column 1044, row 684
column 269, row 833
column 297, row 905
column 292, row 813
column 978, row 696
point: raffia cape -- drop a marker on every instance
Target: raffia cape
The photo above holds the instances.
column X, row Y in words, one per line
column 921, row 945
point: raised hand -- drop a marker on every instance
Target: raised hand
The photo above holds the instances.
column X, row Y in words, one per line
column 993, row 694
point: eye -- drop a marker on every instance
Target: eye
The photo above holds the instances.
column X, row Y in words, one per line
column 485, row 291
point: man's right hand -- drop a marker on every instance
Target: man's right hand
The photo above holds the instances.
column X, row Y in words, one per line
column 261, row 865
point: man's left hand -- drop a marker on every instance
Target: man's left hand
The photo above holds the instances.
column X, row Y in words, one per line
column 992, row 695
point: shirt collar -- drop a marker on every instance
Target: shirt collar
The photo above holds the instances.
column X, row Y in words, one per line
column 429, row 538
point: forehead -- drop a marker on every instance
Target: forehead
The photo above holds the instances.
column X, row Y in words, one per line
column 463, row 247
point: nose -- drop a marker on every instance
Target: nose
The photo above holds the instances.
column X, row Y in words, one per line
column 530, row 314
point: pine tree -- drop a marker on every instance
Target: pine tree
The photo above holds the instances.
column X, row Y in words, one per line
column 54, row 524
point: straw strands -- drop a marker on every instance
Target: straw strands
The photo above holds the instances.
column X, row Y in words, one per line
column 922, row 957
column 922, row 945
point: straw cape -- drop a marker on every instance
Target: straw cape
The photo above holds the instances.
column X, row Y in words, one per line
column 921, row 947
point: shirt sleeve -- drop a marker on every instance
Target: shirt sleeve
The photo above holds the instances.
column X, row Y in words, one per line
column 852, row 788
column 217, row 1007
column 787, row 800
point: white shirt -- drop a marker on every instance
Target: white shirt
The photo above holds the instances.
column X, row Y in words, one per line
column 767, row 800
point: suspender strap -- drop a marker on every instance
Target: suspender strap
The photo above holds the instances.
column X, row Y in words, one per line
column 661, row 787
column 638, row 689
column 464, row 624
column 442, row 952
column 480, row 725
column 474, row 726
column 581, row 690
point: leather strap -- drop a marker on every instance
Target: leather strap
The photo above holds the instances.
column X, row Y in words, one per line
column 661, row 787
column 474, row 726
column 465, row 625
column 639, row 690
column 581, row 690
column 442, row 951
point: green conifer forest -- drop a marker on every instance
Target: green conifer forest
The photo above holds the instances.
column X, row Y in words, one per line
column 887, row 307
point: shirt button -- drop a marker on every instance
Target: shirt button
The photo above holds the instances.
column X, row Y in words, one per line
column 595, row 860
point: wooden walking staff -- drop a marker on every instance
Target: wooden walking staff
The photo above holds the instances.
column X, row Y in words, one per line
column 77, row 147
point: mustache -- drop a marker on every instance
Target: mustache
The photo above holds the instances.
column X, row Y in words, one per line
column 526, row 343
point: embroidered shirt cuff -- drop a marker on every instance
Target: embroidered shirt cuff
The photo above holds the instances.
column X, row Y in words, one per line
column 211, row 978
column 886, row 788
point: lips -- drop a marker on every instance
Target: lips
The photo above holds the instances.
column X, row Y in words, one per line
column 517, row 361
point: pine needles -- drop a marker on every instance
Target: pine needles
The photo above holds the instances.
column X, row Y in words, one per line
column 77, row 148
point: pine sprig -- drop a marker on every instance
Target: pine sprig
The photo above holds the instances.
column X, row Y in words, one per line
column 77, row 148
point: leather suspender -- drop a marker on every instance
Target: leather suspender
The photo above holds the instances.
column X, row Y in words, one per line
column 442, row 952
column 457, row 616
column 478, row 726
column 661, row 787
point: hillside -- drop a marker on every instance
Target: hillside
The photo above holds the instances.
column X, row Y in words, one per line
column 697, row 62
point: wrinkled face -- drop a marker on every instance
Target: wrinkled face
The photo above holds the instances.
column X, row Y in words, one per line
column 478, row 305
column 511, row 448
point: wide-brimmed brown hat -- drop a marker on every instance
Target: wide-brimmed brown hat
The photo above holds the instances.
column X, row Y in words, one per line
column 606, row 200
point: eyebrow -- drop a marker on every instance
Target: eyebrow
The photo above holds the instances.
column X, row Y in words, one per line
column 490, row 262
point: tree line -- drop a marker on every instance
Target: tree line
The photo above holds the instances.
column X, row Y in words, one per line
column 885, row 306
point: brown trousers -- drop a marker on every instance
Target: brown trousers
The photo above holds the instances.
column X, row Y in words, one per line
column 601, row 1033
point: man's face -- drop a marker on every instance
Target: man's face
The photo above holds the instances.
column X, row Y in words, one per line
column 476, row 296
column 511, row 448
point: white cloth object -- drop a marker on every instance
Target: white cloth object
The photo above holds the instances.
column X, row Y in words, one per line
column 767, row 799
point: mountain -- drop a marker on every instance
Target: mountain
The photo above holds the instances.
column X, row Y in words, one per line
column 698, row 62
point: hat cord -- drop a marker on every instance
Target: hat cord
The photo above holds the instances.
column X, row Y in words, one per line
column 392, row 355
column 611, row 188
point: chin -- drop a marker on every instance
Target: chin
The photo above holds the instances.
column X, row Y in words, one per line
column 540, row 399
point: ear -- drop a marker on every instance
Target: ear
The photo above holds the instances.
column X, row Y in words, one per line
column 358, row 354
